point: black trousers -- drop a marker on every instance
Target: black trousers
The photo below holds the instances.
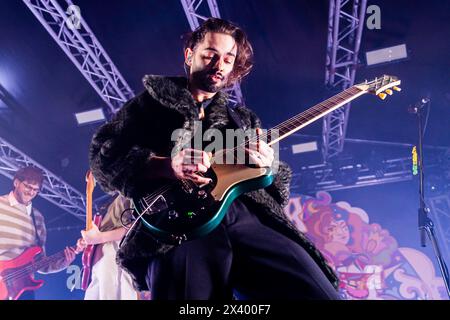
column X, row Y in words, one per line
column 242, row 256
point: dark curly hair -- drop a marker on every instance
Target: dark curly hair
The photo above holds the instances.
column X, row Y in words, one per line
column 244, row 58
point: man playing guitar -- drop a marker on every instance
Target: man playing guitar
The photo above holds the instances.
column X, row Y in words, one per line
column 255, row 249
column 21, row 228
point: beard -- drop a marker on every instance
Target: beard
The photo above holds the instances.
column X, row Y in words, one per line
column 23, row 198
column 202, row 79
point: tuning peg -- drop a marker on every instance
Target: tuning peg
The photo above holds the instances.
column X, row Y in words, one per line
column 397, row 88
column 382, row 95
column 389, row 92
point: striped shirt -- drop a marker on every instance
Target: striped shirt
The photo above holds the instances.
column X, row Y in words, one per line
column 17, row 231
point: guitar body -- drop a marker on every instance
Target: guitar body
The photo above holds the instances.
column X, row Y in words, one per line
column 186, row 211
column 15, row 279
column 88, row 255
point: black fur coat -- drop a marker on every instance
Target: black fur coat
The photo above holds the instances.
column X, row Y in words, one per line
column 121, row 150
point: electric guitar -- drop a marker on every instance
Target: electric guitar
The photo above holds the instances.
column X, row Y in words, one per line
column 181, row 210
column 89, row 251
column 17, row 275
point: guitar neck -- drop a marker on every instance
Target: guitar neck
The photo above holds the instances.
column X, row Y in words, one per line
column 90, row 184
column 46, row 261
column 314, row 113
column 88, row 211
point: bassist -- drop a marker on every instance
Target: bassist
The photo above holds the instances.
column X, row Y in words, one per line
column 22, row 226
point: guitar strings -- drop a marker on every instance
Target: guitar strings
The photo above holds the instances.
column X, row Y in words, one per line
column 292, row 123
column 37, row 265
column 159, row 191
column 321, row 107
column 349, row 91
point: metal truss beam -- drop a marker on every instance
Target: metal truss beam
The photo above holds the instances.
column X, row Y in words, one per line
column 194, row 11
column 84, row 50
column 311, row 179
column 349, row 172
column 345, row 25
column 440, row 211
column 54, row 188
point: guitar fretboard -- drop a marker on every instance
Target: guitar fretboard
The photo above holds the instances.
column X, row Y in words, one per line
column 46, row 261
column 314, row 113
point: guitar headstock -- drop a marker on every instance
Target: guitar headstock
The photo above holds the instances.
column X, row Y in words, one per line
column 381, row 87
column 90, row 182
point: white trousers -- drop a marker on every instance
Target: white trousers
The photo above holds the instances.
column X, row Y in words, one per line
column 108, row 280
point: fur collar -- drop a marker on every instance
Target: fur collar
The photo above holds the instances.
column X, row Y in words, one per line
column 172, row 93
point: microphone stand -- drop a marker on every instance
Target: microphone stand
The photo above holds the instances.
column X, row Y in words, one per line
column 426, row 225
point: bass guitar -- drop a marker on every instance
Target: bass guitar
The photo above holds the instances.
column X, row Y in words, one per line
column 17, row 275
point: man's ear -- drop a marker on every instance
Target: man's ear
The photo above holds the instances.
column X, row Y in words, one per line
column 188, row 54
column 16, row 183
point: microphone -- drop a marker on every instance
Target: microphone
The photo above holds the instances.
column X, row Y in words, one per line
column 418, row 105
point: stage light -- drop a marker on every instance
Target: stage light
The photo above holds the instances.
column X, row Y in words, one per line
column 91, row 116
column 386, row 55
column 304, row 147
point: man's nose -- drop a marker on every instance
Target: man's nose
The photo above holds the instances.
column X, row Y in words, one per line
column 219, row 63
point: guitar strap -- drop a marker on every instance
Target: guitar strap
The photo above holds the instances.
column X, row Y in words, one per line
column 39, row 242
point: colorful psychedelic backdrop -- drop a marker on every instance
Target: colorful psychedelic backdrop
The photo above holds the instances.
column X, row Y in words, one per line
column 368, row 259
